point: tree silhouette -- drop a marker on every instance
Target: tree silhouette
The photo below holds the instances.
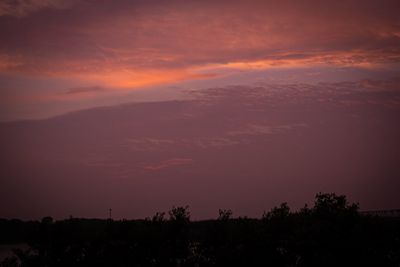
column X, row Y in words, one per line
column 158, row 217
column 179, row 214
column 330, row 204
column 280, row 212
column 331, row 233
column 224, row 215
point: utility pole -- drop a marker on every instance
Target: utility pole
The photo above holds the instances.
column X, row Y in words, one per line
column 110, row 217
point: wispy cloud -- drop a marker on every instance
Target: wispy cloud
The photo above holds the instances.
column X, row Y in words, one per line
column 167, row 164
column 84, row 90
column 257, row 129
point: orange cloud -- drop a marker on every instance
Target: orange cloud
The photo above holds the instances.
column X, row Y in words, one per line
column 131, row 79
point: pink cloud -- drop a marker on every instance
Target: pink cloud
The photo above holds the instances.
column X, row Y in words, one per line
column 140, row 43
column 167, row 164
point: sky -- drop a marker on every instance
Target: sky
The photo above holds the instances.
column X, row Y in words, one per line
column 146, row 92
column 63, row 55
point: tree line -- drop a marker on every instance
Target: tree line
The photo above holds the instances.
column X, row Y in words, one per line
column 330, row 233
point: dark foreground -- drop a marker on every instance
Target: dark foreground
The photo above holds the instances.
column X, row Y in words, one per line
column 332, row 233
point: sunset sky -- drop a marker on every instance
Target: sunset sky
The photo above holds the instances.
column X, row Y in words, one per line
column 204, row 68
column 59, row 55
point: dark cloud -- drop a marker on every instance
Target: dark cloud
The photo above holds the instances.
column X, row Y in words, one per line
column 21, row 8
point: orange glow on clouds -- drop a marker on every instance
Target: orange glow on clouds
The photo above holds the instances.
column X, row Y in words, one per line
column 138, row 78
column 129, row 45
column 130, row 79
